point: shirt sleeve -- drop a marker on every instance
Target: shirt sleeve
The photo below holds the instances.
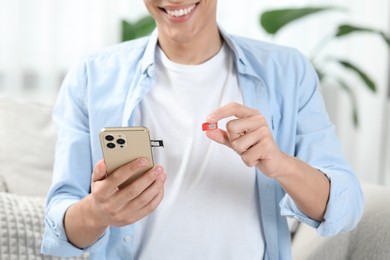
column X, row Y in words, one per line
column 317, row 144
column 72, row 167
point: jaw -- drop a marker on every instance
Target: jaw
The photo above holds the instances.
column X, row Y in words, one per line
column 179, row 24
column 188, row 32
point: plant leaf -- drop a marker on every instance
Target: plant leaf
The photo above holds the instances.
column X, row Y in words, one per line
column 273, row 20
column 142, row 27
column 127, row 31
column 366, row 79
column 386, row 38
column 145, row 26
column 346, row 29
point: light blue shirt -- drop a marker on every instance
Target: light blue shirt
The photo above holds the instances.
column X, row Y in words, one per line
column 103, row 90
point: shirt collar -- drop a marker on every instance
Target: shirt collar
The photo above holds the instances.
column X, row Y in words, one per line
column 243, row 65
column 147, row 65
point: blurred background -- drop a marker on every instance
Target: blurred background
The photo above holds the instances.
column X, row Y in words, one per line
column 41, row 39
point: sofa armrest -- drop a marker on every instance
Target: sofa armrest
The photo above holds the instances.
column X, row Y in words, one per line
column 28, row 138
column 369, row 240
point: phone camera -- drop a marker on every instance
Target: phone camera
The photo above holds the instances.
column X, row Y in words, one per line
column 111, row 145
column 121, row 141
column 109, row 137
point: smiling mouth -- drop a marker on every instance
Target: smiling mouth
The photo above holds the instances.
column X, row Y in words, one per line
column 179, row 12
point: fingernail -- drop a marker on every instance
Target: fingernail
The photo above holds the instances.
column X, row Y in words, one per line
column 158, row 170
column 210, row 118
column 142, row 162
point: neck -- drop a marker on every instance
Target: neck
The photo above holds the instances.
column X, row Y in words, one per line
column 194, row 51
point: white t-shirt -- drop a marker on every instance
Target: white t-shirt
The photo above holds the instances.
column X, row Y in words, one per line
column 210, row 209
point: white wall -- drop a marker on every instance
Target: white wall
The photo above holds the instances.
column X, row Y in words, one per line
column 40, row 39
column 365, row 147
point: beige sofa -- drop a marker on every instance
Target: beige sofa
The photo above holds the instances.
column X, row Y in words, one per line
column 370, row 240
column 27, row 142
column 27, row 139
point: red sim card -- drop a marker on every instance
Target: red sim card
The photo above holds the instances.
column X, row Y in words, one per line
column 209, row 126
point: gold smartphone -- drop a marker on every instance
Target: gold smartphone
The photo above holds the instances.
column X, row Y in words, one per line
column 121, row 145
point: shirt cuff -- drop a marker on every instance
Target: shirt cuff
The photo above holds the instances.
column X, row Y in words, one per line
column 288, row 208
column 344, row 209
column 55, row 241
column 345, row 205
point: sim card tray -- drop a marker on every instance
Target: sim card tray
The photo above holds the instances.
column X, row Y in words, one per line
column 156, row 143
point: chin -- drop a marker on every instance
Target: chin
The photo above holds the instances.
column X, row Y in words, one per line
column 177, row 35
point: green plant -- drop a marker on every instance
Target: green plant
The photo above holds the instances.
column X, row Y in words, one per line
column 272, row 21
column 141, row 27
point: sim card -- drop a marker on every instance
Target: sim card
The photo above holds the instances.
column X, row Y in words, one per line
column 209, row 126
column 156, row 143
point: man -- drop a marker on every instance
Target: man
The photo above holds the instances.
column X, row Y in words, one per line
column 227, row 194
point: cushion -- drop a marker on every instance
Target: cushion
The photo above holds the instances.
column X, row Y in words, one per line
column 21, row 227
column 369, row 240
column 27, row 137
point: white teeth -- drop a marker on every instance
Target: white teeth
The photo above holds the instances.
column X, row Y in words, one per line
column 181, row 12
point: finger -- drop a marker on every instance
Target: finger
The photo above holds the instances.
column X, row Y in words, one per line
column 117, row 200
column 219, row 136
column 126, row 171
column 231, row 109
column 253, row 155
column 99, row 186
column 263, row 150
column 148, row 208
column 99, row 171
column 245, row 142
column 239, row 127
column 138, row 186
column 137, row 203
column 147, row 195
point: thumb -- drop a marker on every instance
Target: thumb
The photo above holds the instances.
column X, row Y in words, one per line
column 219, row 136
column 100, row 171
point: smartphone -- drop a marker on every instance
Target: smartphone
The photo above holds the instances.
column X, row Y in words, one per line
column 121, row 145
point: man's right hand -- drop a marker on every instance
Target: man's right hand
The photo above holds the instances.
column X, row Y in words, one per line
column 119, row 207
column 107, row 205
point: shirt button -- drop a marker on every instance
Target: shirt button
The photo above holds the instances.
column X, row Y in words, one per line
column 127, row 238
